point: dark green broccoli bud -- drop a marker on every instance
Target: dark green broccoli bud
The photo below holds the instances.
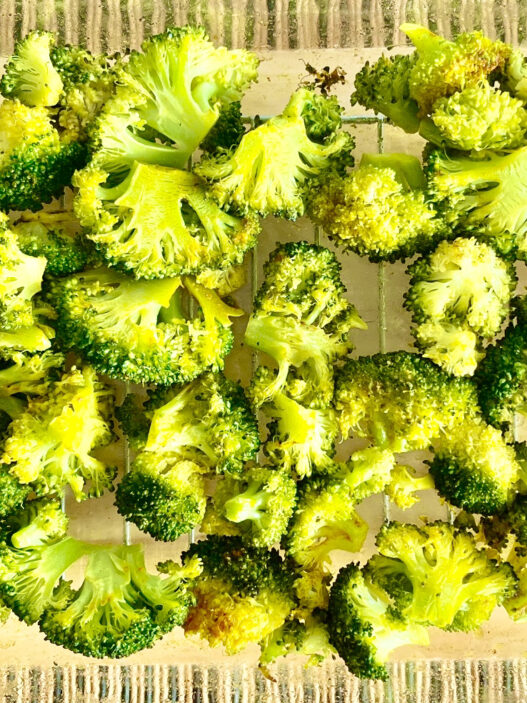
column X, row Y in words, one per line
column 400, row 400
column 384, row 87
column 261, row 503
column 13, row 494
column 484, row 195
column 29, row 74
column 510, row 523
column 473, row 467
column 480, row 117
column 175, row 88
column 243, row 594
column 458, row 296
column 56, row 237
column 310, row 638
column 453, row 584
column 248, row 178
column 444, row 67
column 105, row 616
column 300, row 439
column 373, row 212
column 228, row 130
column 501, row 377
column 133, row 421
column 208, row 422
column 324, row 519
column 301, row 319
column 35, row 165
column 160, row 222
column 362, row 625
column 163, row 495
column 28, row 576
column 50, row 444
column 137, row 330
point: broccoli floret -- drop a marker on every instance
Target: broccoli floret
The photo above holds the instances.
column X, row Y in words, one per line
column 89, row 82
column 301, row 319
column 172, row 92
column 444, row 67
column 480, row 117
column 13, row 494
column 49, row 445
column 160, row 222
column 368, row 472
column 362, row 625
column 35, row 165
column 502, row 376
column 228, row 130
column 20, row 280
column 249, row 177
column 373, row 213
column 163, row 495
column 324, row 519
column 486, row 195
column 30, row 75
column 450, row 583
column 137, row 330
column 509, row 523
column 403, row 485
column 261, row 503
column 28, row 576
column 300, row 439
column 243, row 593
column 223, row 281
column 400, row 400
column 56, row 237
column 309, row 637
column 133, row 421
column 459, row 296
column 322, row 116
column 513, row 76
column 105, row 616
column 37, row 523
column 384, row 87
column 473, row 467
column 209, row 422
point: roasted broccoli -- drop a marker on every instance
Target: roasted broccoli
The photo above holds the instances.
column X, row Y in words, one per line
column 502, row 375
column 373, row 211
column 208, row 421
column 309, row 637
column 324, row 519
column 30, row 75
column 170, row 97
column 56, row 237
column 473, row 467
column 363, row 626
column 437, row 576
column 137, row 330
column 119, row 609
column 400, row 400
column 160, row 222
column 300, row 439
column 228, row 130
column 260, row 503
column 49, row 445
column 243, row 594
column 458, row 296
column 35, row 165
column 368, row 472
column 301, row 319
column 268, row 171
column 403, row 485
column 444, row 67
column 483, row 194
column 163, row 495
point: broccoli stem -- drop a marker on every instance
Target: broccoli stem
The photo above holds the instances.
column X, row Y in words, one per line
column 247, row 505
